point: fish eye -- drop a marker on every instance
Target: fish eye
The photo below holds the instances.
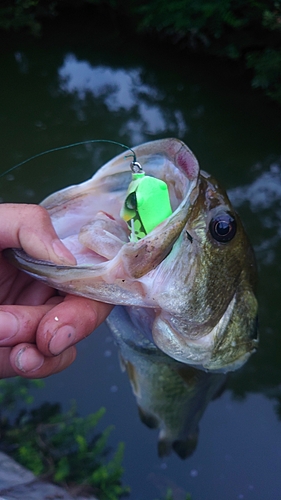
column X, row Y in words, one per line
column 223, row 227
column 131, row 201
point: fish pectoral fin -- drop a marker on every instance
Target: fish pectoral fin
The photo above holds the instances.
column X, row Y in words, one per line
column 133, row 376
column 122, row 362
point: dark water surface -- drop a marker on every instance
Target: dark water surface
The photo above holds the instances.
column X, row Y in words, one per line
column 60, row 90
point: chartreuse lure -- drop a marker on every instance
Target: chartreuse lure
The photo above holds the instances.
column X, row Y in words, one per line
column 147, row 203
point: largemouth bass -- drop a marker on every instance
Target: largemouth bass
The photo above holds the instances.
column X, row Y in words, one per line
column 188, row 285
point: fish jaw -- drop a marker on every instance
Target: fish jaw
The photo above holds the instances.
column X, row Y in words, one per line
column 131, row 278
column 214, row 351
column 117, row 280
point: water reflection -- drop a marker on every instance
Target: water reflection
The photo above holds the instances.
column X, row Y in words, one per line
column 263, row 196
column 122, row 90
column 171, row 396
column 260, row 200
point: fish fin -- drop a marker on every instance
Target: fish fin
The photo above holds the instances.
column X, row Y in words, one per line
column 185, row 448
column 164, row 447
column 133, row 376
column 148, row 419
column 122, row 362
column 220, row 390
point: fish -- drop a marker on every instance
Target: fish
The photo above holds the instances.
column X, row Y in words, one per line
column 171, row 396
column 188, row 284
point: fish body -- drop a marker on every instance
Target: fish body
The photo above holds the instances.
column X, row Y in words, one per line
column 171, row 396
column 189, row 284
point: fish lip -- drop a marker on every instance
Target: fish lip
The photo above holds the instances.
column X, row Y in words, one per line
column 19, row 256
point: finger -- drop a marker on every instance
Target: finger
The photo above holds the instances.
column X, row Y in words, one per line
column 19, row 323
column 29, row 227
column 34, row 294
column 26, row 291
column 28, row 362
column 69, row 322
column 6, row 370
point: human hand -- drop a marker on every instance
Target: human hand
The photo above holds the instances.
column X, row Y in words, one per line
column 38, row 327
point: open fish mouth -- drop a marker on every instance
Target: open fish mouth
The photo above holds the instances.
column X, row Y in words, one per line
column 188, row 280
column 87, row 219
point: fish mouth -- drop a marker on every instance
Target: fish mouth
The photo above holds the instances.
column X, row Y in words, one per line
column 87, row 219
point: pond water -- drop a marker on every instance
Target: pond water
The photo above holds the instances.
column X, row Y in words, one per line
column 64, row 89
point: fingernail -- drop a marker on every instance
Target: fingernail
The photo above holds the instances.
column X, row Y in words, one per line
column 9, row 325
column 28, row 359
column 63, row 338
column 64, row 255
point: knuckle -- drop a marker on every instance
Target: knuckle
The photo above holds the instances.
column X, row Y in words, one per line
column 39, row 213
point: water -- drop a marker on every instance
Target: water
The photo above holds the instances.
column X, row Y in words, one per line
column 65, row 89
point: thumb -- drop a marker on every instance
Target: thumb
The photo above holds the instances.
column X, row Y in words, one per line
column 29, row 227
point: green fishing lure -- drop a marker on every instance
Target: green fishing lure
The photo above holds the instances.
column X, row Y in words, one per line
column 147, row 203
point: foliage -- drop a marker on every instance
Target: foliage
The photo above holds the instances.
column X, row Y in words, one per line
column 61, row 446
column 169, row 495
column 249, row 31
column 29, row 14
column 267, row 67
column 236, row 29
column 11, row 392
column 185, row 17
column 18, row 14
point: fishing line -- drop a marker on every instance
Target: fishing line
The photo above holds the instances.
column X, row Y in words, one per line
column 74, row 144
column 147, row 201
